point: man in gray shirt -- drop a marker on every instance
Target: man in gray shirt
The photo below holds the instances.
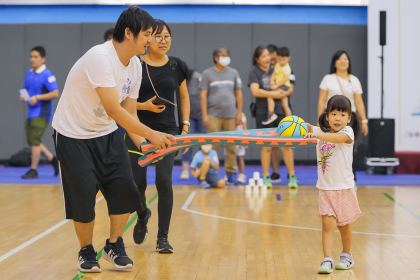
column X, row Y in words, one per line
column 221, row 103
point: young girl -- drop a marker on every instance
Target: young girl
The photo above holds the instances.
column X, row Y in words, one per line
column 338, row 206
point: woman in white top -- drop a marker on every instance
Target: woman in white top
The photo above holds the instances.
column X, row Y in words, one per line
column 340, row 81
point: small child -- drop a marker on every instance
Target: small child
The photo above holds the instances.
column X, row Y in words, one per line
column 338, row 205
column 240, row 152
column 279, row 80
column 204, row 167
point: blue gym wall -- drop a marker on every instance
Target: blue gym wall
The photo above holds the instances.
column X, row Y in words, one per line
column 69, row 31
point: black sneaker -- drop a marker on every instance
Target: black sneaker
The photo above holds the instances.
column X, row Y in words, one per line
column 275, row 177
column 87, row 260
column 140, row 230
column 31, row 174
column 163, row 246
column 54, row 163
column 116, row 254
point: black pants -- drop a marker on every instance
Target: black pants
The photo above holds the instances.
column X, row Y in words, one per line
column 164, row 170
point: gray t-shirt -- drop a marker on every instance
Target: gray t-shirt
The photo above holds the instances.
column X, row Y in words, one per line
column 194, row 92
column 221, row 86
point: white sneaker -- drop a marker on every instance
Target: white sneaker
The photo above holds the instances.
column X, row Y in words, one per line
column 242, row 178
column 185, row 175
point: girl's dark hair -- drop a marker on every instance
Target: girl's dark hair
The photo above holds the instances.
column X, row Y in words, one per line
column 257, row 53
column 159, row 25
column 135, row 19
column 341, row 104
column 335, row 57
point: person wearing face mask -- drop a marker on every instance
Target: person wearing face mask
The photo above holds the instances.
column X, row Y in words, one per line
column 159, row 80
column 221, row 103
column 204, row 167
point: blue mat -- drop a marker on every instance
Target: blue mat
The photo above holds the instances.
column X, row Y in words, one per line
column 307, row 175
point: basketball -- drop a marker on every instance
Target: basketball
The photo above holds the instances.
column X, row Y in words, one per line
column 292, row 126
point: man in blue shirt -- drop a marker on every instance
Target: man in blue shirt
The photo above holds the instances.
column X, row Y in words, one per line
column 42, row 88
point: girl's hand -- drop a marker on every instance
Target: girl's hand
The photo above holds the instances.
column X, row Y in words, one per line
column 365, row 129
column 149, row 106
column 310, row 135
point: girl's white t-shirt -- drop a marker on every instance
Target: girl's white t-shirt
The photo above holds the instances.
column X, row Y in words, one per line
column 350, row 87
column 80, row 113
column 335, row 162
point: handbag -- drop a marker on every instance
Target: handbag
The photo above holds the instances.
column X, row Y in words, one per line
column 253, row 108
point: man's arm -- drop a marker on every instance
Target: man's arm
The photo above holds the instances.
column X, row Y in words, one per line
column 239, row 105
column 47, row 96
column 203, row 102
column 130, row 106
column 109, row 99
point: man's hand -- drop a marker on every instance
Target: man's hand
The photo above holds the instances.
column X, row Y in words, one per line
column 149, row 106
column 238, row 119
column 206, row 121
column 33, row 100
column 21, row 99
column 161, row 140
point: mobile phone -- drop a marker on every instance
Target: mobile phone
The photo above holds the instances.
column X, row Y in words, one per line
column 162, row 101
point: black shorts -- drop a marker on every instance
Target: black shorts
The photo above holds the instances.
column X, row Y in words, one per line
column 90, row 165
column 261, row 117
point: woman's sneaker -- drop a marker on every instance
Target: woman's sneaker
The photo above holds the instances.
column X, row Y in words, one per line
column 346, row 261
column 87, row 260
column 115, row 254
column 269, row 119
column 140, row 229
column 267, row 182
column 275, row 177
column 326, row 266
column 185, row 175
column 163, row 246
column 293, row 182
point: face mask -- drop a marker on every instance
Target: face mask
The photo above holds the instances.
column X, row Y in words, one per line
column 224, row 60
column 206, row 148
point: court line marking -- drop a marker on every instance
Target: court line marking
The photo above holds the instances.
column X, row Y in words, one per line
column 192, row 195
column 39, row 236
column 402, row 206
column 80, row 274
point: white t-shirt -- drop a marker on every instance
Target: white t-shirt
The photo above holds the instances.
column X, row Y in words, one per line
column 335, row 163
column 80, row 113
column 350, row 87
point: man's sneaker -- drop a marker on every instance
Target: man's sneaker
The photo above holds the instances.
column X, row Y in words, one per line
column 54, row 163
column 269, row 119
column 163, row 246
column 232, row 178
column 267, row 182
column 326, row 266
column 293, row 182
column 115, row 254
column 140, row 230
column 242, row 178
column 346, row 261
column 204, row 184
column 185, row 175
column 275, row 177
column 87, row 260
column 31, row 174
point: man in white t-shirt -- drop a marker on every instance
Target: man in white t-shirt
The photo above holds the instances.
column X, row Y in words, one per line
column 101, row 89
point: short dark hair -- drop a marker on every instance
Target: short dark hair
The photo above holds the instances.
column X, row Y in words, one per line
column 133, row 18
column 283, row 51
column 257, row 53
column 39, row 49
column 336, row 57
column 272, row 48
column 217, row 51
column 159, row 25
column 108, row 33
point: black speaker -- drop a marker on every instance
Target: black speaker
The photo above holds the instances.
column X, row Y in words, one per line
column 382, row 28
column 381, row 138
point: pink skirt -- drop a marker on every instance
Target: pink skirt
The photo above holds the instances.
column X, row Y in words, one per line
column 342, row 204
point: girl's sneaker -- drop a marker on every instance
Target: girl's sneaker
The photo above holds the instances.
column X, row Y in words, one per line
column 267, row 182
column 204, row 184
column 346, row 261
column 293, row 182
column 326, row 266
column 242, row 178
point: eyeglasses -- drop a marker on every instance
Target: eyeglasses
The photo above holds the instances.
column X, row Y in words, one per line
column 159, row 39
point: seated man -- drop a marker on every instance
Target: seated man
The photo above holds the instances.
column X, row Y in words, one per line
column 204, row 167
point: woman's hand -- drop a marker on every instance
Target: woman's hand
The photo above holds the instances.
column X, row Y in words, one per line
column 149, row 106
column 365, row 129
column 183, row 133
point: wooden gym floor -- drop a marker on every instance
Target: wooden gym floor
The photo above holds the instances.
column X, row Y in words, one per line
column 216, row 234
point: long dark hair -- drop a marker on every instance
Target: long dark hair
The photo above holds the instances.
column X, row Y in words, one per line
column 341, row 104
column 257, row 53
column 336, row 57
